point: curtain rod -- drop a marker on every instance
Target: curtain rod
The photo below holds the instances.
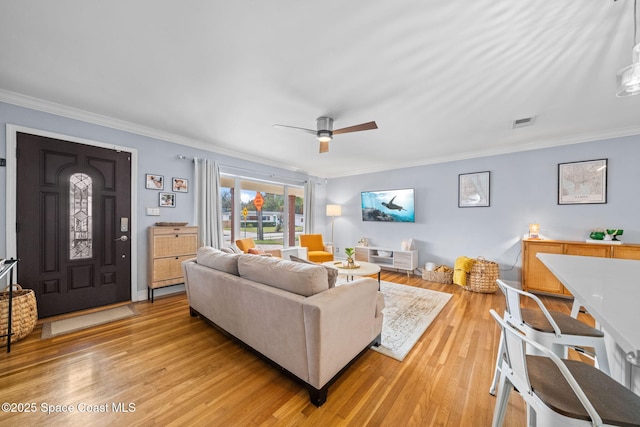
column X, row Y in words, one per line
column 182, row 157
column 252, row 171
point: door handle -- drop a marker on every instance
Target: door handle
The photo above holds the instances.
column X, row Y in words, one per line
column 121, row 239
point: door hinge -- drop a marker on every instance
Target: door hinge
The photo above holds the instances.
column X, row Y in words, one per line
column 17, row 227
column 17, row 153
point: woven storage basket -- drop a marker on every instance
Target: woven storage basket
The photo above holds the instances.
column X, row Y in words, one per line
column 438, row 277
column 24, row 313
column 482, row 277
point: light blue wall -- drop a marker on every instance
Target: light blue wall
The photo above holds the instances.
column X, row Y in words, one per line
column 523, row 190
column 154, row 156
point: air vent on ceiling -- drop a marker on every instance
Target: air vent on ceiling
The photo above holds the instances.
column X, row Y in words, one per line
column 526, row 121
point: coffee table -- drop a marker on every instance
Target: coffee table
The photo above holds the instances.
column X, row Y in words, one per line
column 364, row 269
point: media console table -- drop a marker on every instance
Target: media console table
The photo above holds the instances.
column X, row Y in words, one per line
column 391, row 258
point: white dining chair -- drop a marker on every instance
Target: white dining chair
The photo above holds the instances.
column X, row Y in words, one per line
column 552, row 329
column 559, row 392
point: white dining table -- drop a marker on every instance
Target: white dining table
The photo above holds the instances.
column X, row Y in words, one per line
column 609, row 290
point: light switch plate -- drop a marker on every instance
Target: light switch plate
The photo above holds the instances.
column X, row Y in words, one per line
column 153, row 211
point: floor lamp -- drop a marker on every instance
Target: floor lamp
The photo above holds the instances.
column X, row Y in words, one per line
column 333, row 211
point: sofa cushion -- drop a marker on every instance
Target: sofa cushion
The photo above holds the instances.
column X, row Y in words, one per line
column 332, row 273
column 298, row 278
column 218, row 260
column 256, row 251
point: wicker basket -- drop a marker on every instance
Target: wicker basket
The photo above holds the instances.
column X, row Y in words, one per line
column 438, row 277
column 482, row 277
column 24, row 313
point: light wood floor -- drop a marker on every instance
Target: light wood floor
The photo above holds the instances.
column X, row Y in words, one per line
column 167, row 368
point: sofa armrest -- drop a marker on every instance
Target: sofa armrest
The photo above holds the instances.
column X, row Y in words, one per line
column 339, row 324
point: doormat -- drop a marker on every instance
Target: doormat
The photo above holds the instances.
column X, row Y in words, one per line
column 77, row 323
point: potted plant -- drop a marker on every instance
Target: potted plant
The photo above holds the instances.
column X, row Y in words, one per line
column 350, row 252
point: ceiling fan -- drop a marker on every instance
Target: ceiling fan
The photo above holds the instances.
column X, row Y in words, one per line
column 324, row 130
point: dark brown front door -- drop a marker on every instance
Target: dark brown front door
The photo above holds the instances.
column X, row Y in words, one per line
column 73, row 213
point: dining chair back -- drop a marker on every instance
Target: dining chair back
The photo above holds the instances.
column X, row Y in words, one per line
column 555, row 330
column 558, row 392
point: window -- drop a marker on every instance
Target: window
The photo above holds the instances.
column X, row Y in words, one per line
column 275, row 226
column 80, row 217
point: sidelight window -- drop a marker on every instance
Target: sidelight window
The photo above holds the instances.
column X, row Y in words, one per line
column 80, row 221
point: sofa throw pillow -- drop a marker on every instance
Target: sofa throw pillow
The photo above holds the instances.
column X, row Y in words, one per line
column 256, row 251
column 218, row 260
column 231, row 249
column 332, row 273
column 295, row 277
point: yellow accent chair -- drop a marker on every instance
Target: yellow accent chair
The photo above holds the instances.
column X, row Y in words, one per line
column 248, row 246
column 317, row 250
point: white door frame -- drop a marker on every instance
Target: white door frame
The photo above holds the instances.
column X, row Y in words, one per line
column 12, row 179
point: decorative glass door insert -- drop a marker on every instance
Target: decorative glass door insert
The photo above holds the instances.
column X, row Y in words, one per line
column 80, row 218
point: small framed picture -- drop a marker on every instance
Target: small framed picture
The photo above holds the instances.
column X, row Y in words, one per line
column 168, row 200
column 582, row 182
column 180, row 185
column 154, row 182
column 473, row 189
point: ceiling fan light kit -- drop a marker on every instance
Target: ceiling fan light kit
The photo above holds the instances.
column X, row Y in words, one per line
column 324, row 130
column 628, row 78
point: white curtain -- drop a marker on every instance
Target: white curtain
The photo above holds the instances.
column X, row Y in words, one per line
column 207, row 191
column 309, row 205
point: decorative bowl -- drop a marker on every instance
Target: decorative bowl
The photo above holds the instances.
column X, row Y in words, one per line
column 385, row 253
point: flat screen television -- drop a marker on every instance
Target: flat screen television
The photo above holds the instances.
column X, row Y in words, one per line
column 388, row 205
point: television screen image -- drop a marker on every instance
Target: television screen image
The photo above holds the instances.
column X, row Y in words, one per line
column 388, row 205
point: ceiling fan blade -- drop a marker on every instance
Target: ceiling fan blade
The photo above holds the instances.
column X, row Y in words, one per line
column 296, row 128
column 324, row 146
column 356, row 128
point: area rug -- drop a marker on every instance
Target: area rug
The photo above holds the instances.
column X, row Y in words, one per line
column 72, row 324
column 408, row 313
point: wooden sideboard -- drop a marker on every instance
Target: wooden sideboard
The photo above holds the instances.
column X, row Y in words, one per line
column 168, row 247
column 536, row 277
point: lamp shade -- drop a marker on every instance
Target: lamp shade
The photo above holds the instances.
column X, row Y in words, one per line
column 628, row 78
column 534, row 231
column 334, row 210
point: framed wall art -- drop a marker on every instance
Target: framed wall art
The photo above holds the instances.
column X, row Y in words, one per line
column 168, row 200
column 473, row 189
column 582, row 182
column 180, row 185
column 154, row 182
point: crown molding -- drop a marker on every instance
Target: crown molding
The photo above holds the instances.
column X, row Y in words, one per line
column 97, row 119
column 45, row 106
column 530, row 146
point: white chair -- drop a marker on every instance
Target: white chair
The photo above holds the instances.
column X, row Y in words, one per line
column 559, row 392
column 552, row 329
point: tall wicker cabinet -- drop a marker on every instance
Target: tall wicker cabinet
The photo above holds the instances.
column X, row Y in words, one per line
column 168, row 247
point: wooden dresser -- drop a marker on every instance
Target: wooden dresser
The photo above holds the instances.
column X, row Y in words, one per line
column 537, row 278
column 168, row 247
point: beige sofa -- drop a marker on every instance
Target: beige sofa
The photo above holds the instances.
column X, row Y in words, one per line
column 287, row 312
